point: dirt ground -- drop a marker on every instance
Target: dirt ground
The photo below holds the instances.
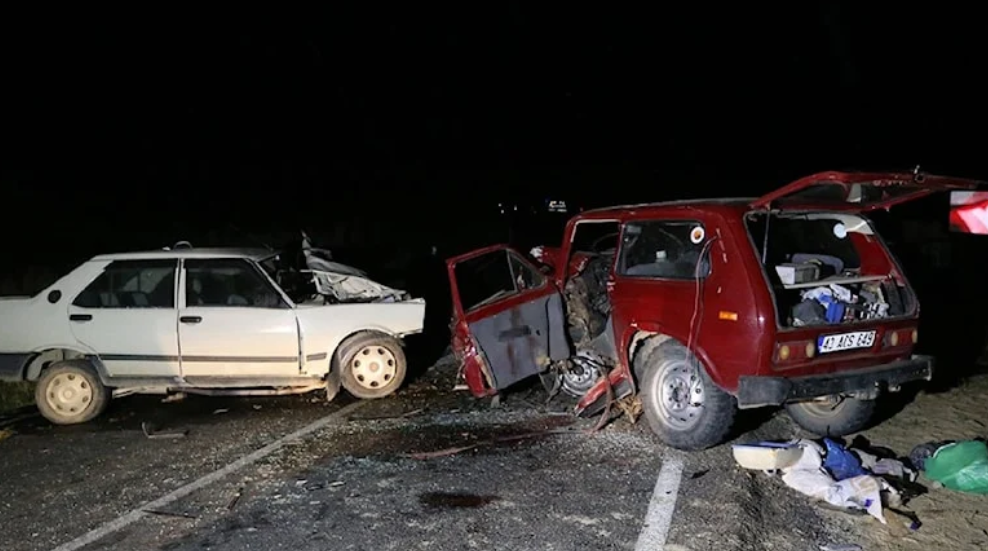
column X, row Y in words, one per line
column 950, row 520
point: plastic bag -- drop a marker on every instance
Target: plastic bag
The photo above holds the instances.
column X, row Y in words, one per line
column 962, row 466
column 841, row 463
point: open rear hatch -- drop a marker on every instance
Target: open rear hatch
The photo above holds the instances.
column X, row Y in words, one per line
column 823, row 260
column 858, row 191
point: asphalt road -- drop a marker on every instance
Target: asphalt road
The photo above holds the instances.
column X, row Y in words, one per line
column 532, row 478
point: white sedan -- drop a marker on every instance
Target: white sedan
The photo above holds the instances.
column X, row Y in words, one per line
column 205, row 321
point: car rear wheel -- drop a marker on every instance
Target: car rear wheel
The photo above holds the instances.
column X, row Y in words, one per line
column 371, row 365
column 682, row 404
column 833, row 415
column 70, row 393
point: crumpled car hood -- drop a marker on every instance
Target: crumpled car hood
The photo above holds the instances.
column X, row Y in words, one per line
column 345, row 283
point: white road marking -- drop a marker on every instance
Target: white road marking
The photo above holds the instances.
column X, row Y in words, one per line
column 658, row 519
column 136, row 514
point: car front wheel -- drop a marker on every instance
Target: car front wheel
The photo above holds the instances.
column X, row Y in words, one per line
column 682, row 404
column 70, row 393
column 371, row 365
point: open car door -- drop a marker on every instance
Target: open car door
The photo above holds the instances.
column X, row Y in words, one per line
column 512, row 313
column 858, row 191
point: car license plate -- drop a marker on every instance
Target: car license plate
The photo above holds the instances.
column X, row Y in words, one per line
column 845, row 341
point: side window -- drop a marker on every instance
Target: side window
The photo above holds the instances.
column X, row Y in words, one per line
column 488, row 278
column 229, row 282
column 525, row 277
column 592, row 236
column 132, row 284
column 664, row 250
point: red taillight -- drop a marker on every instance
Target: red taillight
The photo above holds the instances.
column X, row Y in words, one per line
column 901, row 338
column 796, row 351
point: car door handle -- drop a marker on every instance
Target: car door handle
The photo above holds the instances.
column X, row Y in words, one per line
column 190, row 319
column 80, row 317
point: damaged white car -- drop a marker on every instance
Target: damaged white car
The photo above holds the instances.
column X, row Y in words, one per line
column 204, row 321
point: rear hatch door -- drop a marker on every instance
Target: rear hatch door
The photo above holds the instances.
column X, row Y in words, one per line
column 858, row 191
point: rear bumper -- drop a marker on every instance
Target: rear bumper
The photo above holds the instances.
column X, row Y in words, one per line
column 756, row 392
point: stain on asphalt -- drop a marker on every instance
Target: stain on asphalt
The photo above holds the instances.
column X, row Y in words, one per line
column 453, row 500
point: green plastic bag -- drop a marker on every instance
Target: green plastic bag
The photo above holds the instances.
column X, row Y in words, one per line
column 962, row 466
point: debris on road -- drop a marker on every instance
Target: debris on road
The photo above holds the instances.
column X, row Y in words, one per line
column 767, row 456
column 177, row 514
column 221, row 410
column 384, row 417
column 960, row 466
column 151, row 432
column 847, row 478
column 5, row 434
column 460, row 449
column 235, row 499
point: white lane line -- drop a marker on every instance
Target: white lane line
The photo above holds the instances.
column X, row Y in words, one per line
column 658, row 519
column 136, row 514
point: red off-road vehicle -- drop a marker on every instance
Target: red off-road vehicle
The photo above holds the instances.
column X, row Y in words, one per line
column 703, row 307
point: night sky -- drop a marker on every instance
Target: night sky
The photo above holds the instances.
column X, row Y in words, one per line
column 123, row 128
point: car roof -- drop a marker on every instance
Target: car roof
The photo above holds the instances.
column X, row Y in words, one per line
column 245, row 253
column 736, row 204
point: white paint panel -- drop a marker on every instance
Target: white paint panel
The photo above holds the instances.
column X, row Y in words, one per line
column 130, row 341
column 324, row 327
column 239, row 342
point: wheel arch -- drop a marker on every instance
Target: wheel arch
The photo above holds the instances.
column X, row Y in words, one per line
column 644, row 340
column 44, row 357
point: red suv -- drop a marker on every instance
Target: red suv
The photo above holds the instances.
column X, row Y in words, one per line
column 704, row 307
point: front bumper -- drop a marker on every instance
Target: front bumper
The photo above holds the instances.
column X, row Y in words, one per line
column 756, row 392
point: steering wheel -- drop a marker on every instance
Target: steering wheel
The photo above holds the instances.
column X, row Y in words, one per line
column 595, row 246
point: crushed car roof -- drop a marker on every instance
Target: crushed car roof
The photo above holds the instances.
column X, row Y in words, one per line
column 250, row 254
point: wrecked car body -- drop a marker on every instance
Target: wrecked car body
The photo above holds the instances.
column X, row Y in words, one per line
column 337, row 282
column 700, row 308
column 205, row 321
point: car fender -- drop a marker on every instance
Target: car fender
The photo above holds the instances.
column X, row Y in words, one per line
column 638, row 332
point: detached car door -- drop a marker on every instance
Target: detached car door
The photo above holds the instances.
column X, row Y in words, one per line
column 127, row 316
column 512, row 312
column 233, row 322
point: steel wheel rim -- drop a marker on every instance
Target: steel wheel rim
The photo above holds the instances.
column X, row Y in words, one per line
column 374, row 367
column 577, row 384
column 70, row 394
column 679, row 397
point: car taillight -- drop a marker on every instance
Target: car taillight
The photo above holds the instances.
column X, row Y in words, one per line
column 901, row 337
column 794, row 351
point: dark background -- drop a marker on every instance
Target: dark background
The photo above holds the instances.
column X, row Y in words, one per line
column 388, row 130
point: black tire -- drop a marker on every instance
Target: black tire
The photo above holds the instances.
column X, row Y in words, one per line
column 83, row 399
column 365, row 380
column 705, row 419
column 848, row 416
